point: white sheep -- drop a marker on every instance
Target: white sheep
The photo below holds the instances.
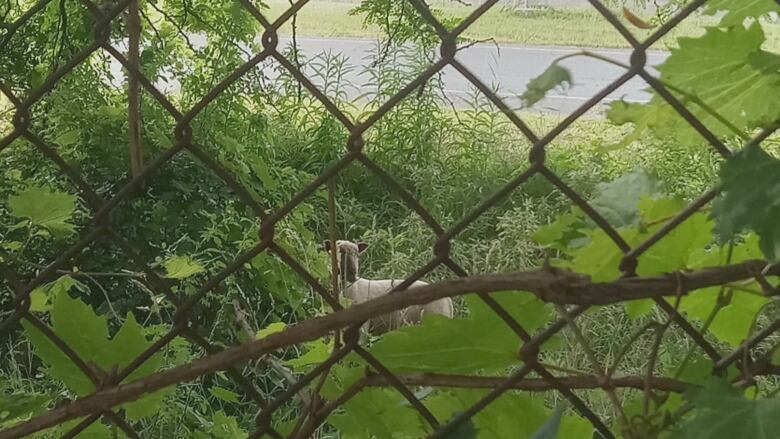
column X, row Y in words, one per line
column 360, row 290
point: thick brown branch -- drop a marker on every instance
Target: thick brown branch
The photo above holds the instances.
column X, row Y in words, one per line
column 550, row 284
column 530, row 384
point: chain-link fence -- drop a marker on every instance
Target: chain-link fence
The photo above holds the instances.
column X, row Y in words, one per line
column 574, row 293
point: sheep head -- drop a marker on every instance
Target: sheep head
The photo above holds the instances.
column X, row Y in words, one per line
column 347, row 258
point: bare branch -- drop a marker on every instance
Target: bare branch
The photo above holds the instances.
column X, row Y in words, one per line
column 530, row 384
column 550, row 284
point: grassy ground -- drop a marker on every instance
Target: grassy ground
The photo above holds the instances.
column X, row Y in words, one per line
column 574, row 27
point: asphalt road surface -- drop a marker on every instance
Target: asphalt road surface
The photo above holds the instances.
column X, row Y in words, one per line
column 509, row 68
column 506, row 68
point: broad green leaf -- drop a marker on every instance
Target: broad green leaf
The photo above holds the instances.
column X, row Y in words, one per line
column 750, row 198
column 560, row 233
column 617, row 200
column 273, row 328
column 317, row 352
column 480, row 342
column 722, row 412
column 724, row 69
column 738, row 10
column 537, row 88
column 97, row 430
column 466, row 430
column 39, row 301
column 45, row 208
column 181, row 267
column 67, row 138
column 600, row 258
column 512, row 415
column 549, row 430
column 224, row 394
column 87, row 335
column 729, row 72
column 657, row 118
column 379, row 413
column 226, row 427
column 42, row 297
column 733, row 322
column 18, row 407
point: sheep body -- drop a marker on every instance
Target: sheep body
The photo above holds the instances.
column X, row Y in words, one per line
column 360, row 290
column 363, row 290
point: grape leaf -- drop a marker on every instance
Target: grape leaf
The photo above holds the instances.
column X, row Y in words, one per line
column 562, row 232
column 465, row 430
column 17, row 407
column 318, row 351
column 181, row 267
column 538, row 87
column 733, row 322
column 480, row 342
column 42, row 297
column 549, row 430
column 379, row 413
column 224, row 394
column 68, row 138
column 728, row 70
column 723, row 412
column 738, row 10
column 226, row 427
column 661, row 119
column 87, row 335
column 617, row 200
column 45, row 208
column 750, row 198
column 512, row 415
column 724, row 69
column 270, row 329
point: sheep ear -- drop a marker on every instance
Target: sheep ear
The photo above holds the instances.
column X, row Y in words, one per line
column 326, row 245
column 362, row 246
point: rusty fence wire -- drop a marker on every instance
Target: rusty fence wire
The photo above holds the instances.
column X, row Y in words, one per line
column 574, row 294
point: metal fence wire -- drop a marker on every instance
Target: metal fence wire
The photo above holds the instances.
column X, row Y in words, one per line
column 572, row 292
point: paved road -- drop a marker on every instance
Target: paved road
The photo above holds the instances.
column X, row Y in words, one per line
column 508, row 68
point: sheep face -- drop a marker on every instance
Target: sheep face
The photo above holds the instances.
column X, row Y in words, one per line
column 347, row 258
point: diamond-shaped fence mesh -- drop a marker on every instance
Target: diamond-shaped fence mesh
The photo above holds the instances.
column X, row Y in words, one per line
column 573, row 294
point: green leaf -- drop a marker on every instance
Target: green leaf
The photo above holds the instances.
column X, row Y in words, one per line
column 660, row 119
column 560, row 233
column 317, row 352
column 729, row 72
column 87, row 335
column 226, row 427
column 724, row 69
column 272, row 328
column 618, row 200
column 750, row 198
column 466, row 430
column 512, row 415
column 378, row 413
column 224, row 394
column 18, row 407
column 600, row 258
column 42, row 297
column 67, row 138
column 549, row 430
column 480, row 342
column 738, row 10
column 723, row 412
column 44, row 208
column 733, row 322
column 182, row 267
column 537, row 88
